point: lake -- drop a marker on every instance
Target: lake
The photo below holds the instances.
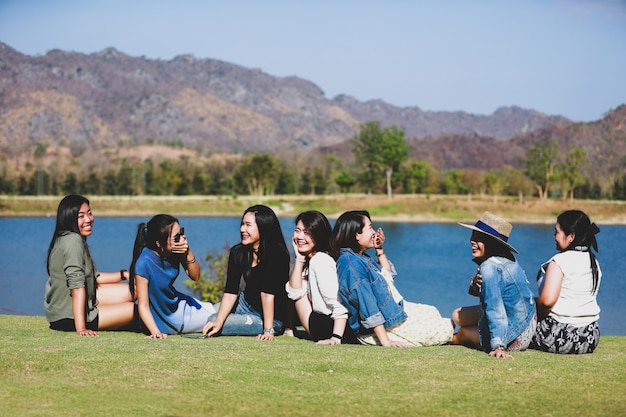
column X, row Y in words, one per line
column 433, row 260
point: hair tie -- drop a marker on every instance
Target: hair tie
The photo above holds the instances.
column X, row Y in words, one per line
column 594, row 229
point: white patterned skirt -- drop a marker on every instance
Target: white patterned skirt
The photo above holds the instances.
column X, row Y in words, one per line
column 424, row 326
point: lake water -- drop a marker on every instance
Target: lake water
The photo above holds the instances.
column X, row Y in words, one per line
column 433, row 260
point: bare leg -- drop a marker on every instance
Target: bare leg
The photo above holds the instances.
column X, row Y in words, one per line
column 467, row 336
column 466, row 316
column 304, row 309
column 467, row 319
column 113, row 294
column 115, row 305
column 113, row 316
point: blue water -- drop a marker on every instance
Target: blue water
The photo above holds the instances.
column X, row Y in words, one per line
column 433, row 260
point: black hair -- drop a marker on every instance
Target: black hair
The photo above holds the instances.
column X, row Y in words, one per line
column 578, row 223
column 493, row 247
column 158, row 229
column 67, row 221
column 271, row 236
column 346, row 227
column 318, row 227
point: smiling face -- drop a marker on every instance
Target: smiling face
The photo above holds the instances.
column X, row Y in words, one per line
column 303, row 240
column 85, row 220
column 365, row 239
column 477, row 240
column 249, row 230
column 562, row 240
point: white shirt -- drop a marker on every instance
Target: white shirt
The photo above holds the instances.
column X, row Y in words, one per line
column 323, row 286
column 576, row 304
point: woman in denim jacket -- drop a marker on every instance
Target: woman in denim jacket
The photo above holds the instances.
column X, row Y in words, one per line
column 506, row 318
column 378, row 314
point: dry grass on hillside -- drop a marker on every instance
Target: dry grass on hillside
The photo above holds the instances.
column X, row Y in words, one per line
column 415, row 208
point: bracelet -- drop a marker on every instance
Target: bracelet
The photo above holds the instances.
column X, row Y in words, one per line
column 122, row 277
column 500, row 347
column 193, row 261
column 270, row 330
column 380, row 253
column 302, row 261
column 336, row 336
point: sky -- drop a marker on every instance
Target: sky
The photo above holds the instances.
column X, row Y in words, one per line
column 558, row 57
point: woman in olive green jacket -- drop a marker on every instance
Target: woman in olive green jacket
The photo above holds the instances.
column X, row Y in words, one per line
column 77, row 296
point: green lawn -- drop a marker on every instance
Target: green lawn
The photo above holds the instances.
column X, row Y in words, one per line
column 48, row 373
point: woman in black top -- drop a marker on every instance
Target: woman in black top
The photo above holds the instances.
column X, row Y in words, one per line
column 255, row 301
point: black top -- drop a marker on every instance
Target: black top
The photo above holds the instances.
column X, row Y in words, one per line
column 269, row 276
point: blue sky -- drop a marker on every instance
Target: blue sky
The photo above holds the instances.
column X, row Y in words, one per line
column 565, row 57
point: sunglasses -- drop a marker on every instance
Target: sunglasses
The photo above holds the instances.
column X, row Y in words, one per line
column 179, row 234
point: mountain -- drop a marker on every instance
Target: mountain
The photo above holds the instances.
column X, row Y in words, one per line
column 106, row 99
column 604, row 141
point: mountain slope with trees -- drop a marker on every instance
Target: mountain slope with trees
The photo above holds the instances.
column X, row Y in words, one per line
column 107, row 98
column 108, row 123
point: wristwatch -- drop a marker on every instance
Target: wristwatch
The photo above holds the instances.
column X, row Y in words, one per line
column 270, row 330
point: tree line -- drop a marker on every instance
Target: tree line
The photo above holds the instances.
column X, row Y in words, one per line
column 381, row 165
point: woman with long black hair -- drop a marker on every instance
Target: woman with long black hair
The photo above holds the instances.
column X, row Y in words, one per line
column 77, row 296
column 255, row 300
column 568, row 285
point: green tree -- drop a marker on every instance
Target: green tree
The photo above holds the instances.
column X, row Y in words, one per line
column 259, row 173
column 70, row 185
column 125, row 178
column 345, row 181
column 90, row 185
column 109, row 183
column 619, row 188
column 453, row 182
column 366, row 147
column 570, row 172
column 379, row 151
column 393, row 152
column 210, row 286
column 541, row 160
column 496, row 182
column 41, row 149
column 416, row 176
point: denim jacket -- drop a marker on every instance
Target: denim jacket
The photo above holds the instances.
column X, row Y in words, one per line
column 364, row 292
column 507, row 303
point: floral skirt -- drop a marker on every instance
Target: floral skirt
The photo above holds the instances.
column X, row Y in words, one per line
column 423, row 327
column 555, row 337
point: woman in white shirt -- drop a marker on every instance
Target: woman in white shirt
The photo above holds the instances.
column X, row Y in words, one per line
column 568, row 285
column 313, row 283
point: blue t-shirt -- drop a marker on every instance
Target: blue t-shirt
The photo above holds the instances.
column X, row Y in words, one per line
column 164, row 298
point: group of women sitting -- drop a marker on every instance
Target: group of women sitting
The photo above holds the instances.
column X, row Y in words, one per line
column 339, row 292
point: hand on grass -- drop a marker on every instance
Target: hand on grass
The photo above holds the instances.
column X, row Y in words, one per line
column 500, row 353
column 211, row 328
column 86, row 332
column 265, row 336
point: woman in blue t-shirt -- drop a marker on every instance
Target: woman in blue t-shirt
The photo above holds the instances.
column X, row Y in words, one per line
column 161, row 247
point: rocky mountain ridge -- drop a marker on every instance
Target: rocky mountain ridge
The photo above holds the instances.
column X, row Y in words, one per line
column 104, row 99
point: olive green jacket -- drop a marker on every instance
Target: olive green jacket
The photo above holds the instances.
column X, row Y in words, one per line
column 70, row 267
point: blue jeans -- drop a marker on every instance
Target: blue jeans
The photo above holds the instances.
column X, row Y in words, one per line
column 245, row 320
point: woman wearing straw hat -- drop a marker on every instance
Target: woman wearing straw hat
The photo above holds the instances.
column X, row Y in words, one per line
column 506, row 318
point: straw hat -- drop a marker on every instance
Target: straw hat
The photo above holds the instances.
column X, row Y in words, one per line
column 494, row 226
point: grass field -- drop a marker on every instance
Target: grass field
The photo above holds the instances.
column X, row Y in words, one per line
column 417, row 208
column 48, row 373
